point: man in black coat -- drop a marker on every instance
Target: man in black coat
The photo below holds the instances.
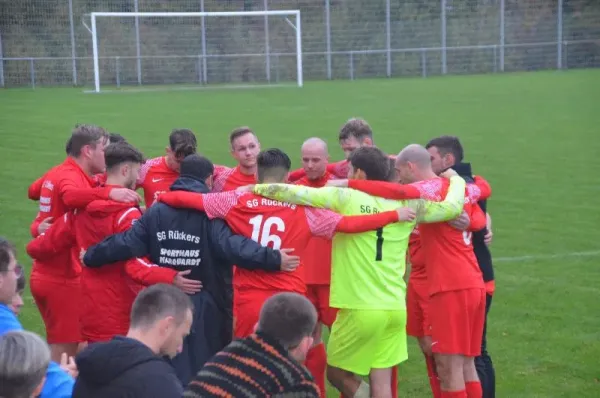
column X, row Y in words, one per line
column 133, row 366
column 185, row 239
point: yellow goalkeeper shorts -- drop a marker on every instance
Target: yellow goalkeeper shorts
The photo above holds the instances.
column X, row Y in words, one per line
column 362, row 340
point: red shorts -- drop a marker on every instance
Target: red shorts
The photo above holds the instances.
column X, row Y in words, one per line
column 59, row 303
column 246, row 310
column 417, row 303
column 319, row 296
column 457, row 319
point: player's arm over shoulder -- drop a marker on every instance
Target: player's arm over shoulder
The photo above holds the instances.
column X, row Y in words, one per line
column 333, row 198
column 448, row 209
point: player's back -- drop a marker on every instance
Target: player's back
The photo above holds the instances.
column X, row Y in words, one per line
column 450, row 261
column 274, row 224
column 368, row 268
column 100, row 286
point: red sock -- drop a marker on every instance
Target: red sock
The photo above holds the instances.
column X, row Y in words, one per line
column 395, row 382
column 434, row 381
column 474, row 389
column 454, row 394
column 316, row 361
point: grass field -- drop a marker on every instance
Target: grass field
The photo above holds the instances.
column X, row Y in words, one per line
column 534, row 136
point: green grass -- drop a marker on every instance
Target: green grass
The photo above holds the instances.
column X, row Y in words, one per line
column 534, row 136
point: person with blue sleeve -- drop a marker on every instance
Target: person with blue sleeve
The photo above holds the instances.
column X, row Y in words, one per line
column 58, row 383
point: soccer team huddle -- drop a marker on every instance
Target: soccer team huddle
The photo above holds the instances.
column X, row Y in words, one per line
column 344, row 233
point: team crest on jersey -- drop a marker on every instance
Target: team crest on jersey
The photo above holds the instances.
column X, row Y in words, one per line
column 48, row 185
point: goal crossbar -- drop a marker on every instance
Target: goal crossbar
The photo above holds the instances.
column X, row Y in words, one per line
column 295, row 13
column 198, row 14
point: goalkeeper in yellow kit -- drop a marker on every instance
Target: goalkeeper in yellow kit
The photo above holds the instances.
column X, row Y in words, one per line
column 367, row 277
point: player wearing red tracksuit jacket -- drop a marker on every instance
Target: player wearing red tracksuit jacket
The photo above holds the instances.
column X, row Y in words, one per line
column 107, row 293
column 35, row 189
column 55, row 281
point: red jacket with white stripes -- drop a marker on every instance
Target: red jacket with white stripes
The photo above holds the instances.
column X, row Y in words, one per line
column 108, row 291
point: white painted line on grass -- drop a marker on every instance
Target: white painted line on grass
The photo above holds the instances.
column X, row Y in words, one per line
column 515, row 259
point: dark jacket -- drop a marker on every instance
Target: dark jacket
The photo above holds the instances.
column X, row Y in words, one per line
column 124, row 368
column 185, row 239
column 481, row 250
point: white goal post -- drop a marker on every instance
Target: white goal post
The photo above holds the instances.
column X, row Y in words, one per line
column 180, row 48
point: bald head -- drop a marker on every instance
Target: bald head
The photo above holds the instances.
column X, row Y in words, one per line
column 315, row 157
column 416, row 154
column 315, row 144
column 414, row 164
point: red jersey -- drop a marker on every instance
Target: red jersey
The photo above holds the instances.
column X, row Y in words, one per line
column 317, row 258
column 65, row 187
column 35, row 189
column 277, row 225
column 338, row 169
column 155, row 177
column 416, row 257
column 450, row 263
column 228, row 179
column 108, row 291
column 415, row 249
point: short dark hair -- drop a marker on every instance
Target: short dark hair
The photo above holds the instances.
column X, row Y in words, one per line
column 121, row 152
column 115, row 138
column 21, row 280
column 357, row 128
column 273, row 163
column 239, row 132
column 7, row 250
column 372, row 161
column 288, row 318
column 157, row 302
column 182, row 142
column 69, row 145
column 393, row 176
column 85, row 134
column 197, row 167
column 448, row 144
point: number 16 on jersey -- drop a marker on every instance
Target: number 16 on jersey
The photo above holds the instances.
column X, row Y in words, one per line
column 261, row 232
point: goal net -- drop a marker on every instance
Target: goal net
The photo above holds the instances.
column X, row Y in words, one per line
column 170, row 50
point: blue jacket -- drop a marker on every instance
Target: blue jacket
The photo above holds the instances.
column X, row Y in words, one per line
column 58, row 383
column 185, row 239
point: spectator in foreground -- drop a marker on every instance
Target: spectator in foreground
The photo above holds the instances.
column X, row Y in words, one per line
column 133, row 366
column 267, row 363
column 24, row 358
column 17, row 301
column 58, row 383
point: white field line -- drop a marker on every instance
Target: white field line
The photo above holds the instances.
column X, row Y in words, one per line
column 591, row 253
